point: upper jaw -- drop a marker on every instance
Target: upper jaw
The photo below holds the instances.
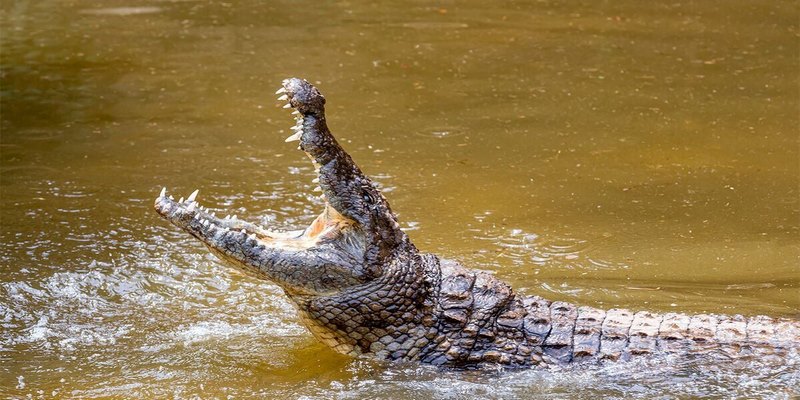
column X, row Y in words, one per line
column 302, row 96
column 344, row 186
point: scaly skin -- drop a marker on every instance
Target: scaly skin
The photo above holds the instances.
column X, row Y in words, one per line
column 362, row 288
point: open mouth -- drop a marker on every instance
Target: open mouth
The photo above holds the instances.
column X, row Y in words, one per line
column 202, row 223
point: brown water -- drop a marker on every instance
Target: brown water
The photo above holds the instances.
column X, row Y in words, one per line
column 628, row 154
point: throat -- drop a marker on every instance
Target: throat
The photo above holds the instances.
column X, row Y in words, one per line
column 328, row 221
column 327, row 332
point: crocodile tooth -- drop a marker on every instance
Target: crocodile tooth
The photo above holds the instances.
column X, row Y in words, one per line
column 294, row 137
column 251, row 236
column 233, row 217
column 181, row 200
column 315, row 180
column 196, row 216
column 163, row 192
column 192, row 206
column 227, row 216
column 193, row 195
column 283, row 97
column 171, row 198
column 287, row 105
column 295, row 112
column 281, row 90
column 244, row 232
column 317, row 189
column 296, row 128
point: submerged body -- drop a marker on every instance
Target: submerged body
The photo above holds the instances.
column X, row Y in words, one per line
column 362, row 287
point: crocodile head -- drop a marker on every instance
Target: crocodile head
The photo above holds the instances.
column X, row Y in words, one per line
column 348, row 244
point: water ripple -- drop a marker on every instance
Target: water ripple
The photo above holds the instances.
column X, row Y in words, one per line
column 522, row 248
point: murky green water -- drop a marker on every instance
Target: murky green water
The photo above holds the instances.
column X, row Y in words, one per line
column 611, row 154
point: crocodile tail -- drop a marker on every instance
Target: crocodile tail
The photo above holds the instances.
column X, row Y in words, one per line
column 567, row 333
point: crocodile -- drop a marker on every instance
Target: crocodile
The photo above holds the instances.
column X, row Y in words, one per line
column 361, row 286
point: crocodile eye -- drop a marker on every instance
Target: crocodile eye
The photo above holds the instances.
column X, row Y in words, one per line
column 371, row 198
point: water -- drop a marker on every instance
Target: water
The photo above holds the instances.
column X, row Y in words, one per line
column 628, row 154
